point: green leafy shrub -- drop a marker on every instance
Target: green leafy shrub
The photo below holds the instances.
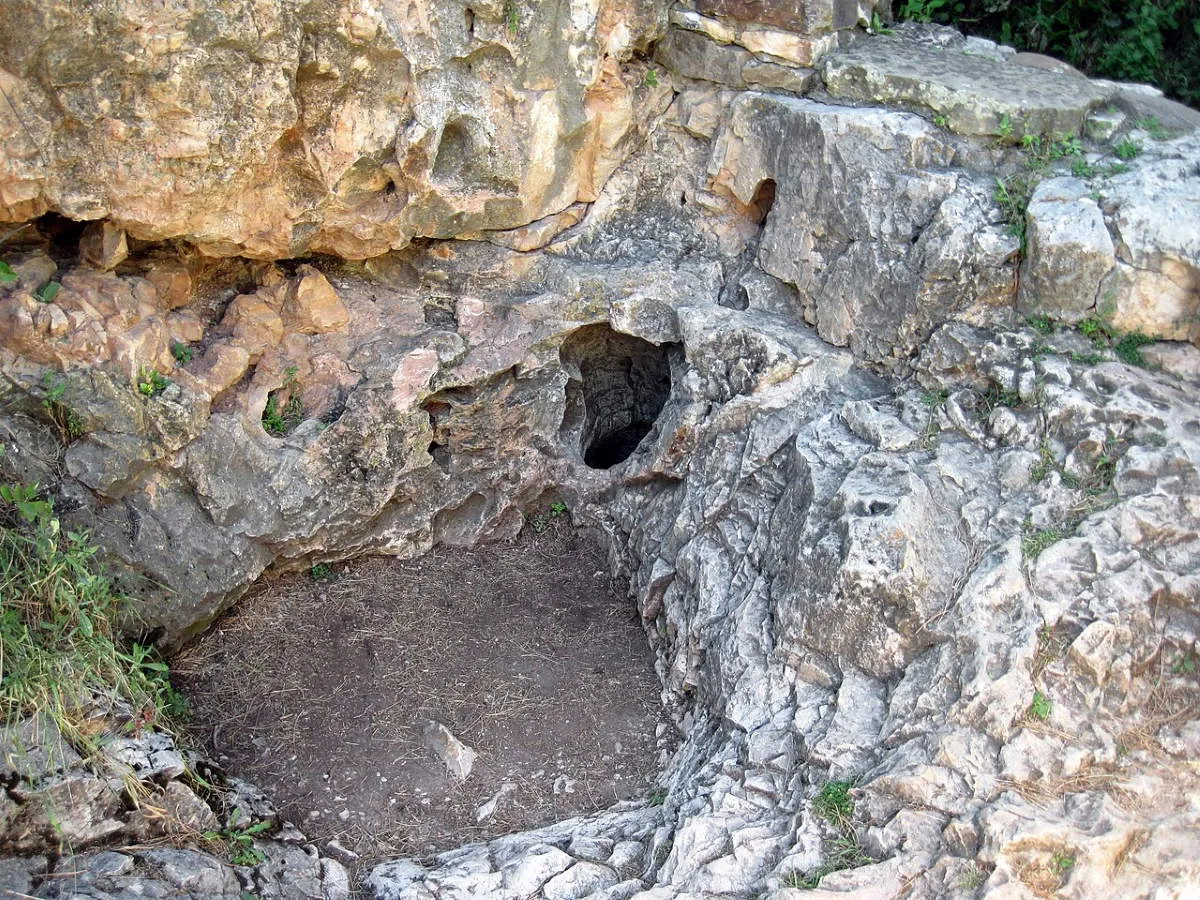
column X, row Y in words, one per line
column 8, row 274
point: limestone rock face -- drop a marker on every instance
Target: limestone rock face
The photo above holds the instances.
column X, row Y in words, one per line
column 976, row 93
column 880, row 531
column 272, row 129
column 917, row 242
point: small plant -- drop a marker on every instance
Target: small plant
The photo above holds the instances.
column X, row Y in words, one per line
column 934, row 399
column 321, row 572
column 1184, row 665
column 998, row 396
column 1127, row 149
column 1012, row 195
column 942, row 121
column 1153, row 127
column 68, row 422
column 512, row 17
column 1034, row 542
column 877, row 24
column 973, row 877
column 151, row 382
column 844, row 854
column 1114, row 169
column 1081, row 168
column 1129, row 348
column 558, row 508
column 183, row 353
column 279, row 422
column 1041, row 324
column 651, row 78
column 1096, row 331
column 239, row 840
column 1005, row 129
column 47, row 292
column 657, row 797
column 1040, row 706
column 1087, row 359
column 1062, row 863
column 834, row 804
column 8, row 274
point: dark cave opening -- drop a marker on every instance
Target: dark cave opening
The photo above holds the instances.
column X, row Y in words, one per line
column 617, row 389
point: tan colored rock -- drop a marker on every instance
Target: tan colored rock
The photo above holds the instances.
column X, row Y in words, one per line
column 784, row 45
column 221, row 368
column 173, row 282
column 144, row 346
column 103, row 246
column 252, row 138
column 253, row 322
column 311, row 305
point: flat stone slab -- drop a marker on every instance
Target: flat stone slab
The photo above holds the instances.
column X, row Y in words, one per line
column 920, row 68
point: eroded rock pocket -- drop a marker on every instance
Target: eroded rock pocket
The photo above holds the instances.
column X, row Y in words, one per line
column 617, row 389
column 322, row 690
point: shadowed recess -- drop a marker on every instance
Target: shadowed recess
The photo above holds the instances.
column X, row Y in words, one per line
column 618, row 386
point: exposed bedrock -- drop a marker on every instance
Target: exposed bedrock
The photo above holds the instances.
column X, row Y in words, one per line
column 881, row 530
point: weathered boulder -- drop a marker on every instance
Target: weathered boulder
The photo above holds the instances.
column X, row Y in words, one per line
column 271, row 130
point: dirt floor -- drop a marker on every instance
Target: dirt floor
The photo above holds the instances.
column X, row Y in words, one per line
column 318, row 691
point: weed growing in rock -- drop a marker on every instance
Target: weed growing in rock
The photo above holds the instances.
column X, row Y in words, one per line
column 68, row 422
column 8, row 274
column 280, row 422
column 1062, row 863
column 973, row 877
column 321, row 572
column 542, row 520
column 843, row 854
column 934, row 399
column 1129, row 348
column 182, row 352
column 238, row 839
column 151, row 382
column 1035, row 541
column 1040, row 706
column 512, row 17
column 651, row 78
column 59, row 650
column 877, row 25
column 1153, row 127
column 1012, row 195
column 834, row 803
column 1127, row 149
column 1041, row 324
column 47, row 292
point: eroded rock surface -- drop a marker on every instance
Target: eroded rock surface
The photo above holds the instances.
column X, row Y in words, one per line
column 881, row 532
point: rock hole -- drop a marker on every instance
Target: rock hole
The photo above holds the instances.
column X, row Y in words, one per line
column 763, row 201
column 454, row 153
column 617, row 391
column 441, row 456
column 470, row 14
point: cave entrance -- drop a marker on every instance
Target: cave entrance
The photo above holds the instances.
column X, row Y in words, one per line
column 319, row 687
column 617, row 388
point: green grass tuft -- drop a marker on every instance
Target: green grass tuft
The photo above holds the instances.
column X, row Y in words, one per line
column 60, row 651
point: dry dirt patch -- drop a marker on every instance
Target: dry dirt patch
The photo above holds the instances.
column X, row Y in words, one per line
column 318, row 692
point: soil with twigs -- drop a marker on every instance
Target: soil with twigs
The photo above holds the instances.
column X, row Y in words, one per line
column 318, row 691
